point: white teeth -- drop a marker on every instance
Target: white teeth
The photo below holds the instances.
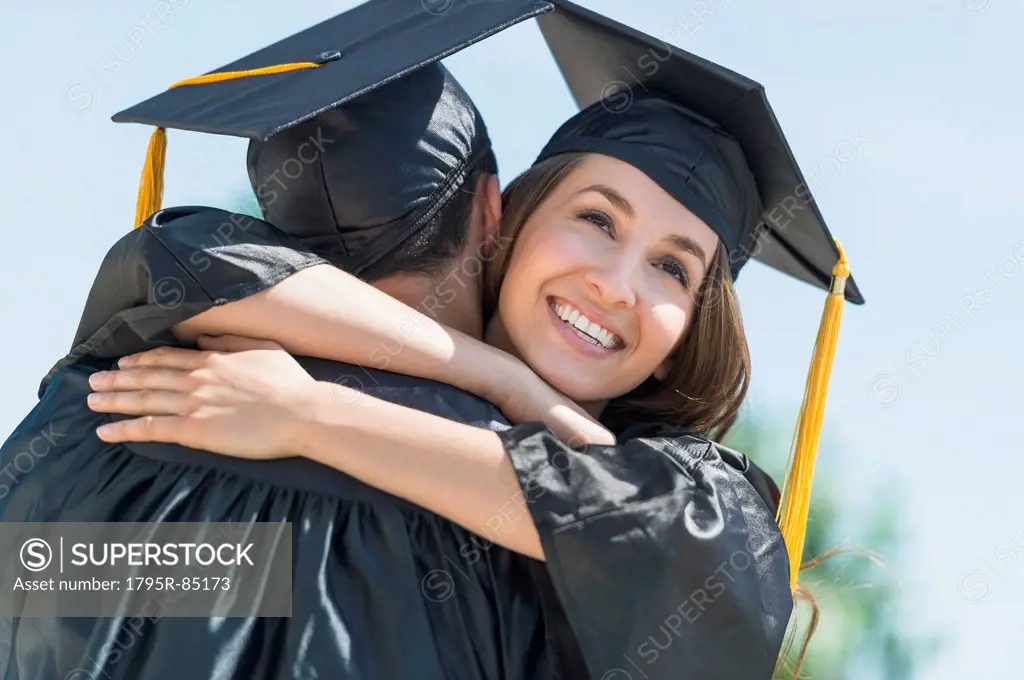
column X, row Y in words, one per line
column 584, row 336
column 585, row 328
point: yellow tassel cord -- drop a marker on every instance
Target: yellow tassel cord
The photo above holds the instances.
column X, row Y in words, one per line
column 151, row 186
column 796, row 494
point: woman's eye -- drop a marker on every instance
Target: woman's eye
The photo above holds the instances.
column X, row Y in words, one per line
column 677, row 270
column 598, row 218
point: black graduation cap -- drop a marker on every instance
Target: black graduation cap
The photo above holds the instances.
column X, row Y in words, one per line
column 359, row 181
column 358, row 135
column 707, row 134
column 607, row 62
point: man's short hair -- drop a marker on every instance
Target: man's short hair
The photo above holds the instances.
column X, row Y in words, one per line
column 384, row 184
column 431, row 251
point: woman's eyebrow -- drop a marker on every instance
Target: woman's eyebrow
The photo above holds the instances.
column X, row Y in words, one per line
column 613, row 196
column 689, row 245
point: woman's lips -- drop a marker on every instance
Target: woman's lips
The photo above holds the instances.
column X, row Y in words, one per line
column 572, row 337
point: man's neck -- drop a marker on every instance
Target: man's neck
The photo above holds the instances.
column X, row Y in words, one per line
column 453, row 303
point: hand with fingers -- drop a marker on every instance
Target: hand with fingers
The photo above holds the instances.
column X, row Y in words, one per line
column 237, row 396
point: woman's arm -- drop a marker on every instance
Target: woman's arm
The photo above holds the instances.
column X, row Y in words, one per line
column 325, row 312
column 199, row 270
column 455, row 470
column 196, row 269
column 261, row 404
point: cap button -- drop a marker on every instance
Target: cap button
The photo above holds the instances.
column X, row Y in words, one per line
column 329, row 55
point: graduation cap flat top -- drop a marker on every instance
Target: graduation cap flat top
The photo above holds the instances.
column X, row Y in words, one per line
column 361, row 49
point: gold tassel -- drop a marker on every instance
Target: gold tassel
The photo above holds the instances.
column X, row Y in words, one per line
column 151, row 187
column 796, row 494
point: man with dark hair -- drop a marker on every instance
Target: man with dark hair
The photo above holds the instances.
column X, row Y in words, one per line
column 381, row 588
column 398, row 187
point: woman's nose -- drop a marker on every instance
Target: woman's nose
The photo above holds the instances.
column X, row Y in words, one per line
column 613, row 281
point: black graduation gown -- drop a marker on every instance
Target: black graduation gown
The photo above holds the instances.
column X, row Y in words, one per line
column 663, row 558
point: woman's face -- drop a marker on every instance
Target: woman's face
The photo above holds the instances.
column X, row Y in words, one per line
column 603, row 280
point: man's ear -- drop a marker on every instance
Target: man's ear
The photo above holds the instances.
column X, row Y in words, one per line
column 488, row 192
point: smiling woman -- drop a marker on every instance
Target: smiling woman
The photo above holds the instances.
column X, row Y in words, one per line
column 600, row 294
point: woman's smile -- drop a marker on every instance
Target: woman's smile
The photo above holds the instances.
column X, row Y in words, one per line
column 583, row 332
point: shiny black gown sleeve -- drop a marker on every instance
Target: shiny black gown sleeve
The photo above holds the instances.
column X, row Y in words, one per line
column 179, row 263
column 663, row 551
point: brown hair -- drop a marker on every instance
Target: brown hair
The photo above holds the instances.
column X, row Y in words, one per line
column 711, row 364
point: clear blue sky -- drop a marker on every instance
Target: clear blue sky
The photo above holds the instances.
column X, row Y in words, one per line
column 926, row 388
